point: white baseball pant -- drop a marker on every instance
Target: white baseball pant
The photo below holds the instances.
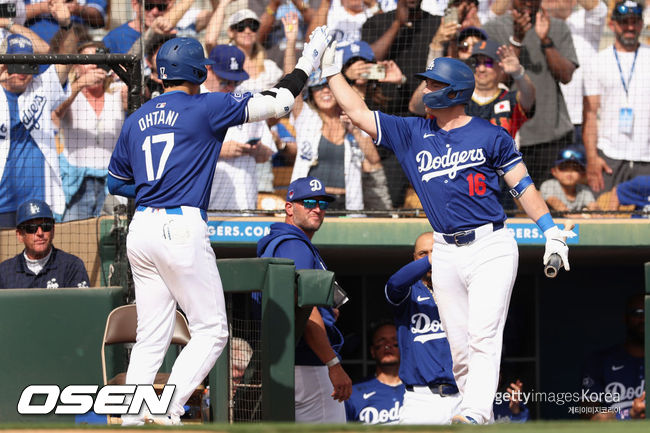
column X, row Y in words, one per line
column 472, row 286
column 421, row 406
column 173, row 262
column 313, row 396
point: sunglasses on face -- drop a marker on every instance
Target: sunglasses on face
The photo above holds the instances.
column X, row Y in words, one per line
column 311, row 204
column 464, row 47
column 162, row 7
column 250, row 23
column 33, row 228
column 485, row 61
column 319, row 87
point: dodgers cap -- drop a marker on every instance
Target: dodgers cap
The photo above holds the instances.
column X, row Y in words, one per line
column 307, row 187
column 228, row 62
column 32, row 209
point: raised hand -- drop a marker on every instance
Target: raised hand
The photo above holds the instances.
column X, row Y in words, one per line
column 314, row 49
column 509, row 61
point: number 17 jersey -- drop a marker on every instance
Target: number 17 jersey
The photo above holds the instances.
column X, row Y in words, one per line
column 169, row 147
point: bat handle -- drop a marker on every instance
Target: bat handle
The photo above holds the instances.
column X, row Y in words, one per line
column 553, row 266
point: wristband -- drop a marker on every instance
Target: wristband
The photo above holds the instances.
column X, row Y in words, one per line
column 515, row 43
column 545, row 222
column 549, row 44
column 520, row 75
column 10, row 24
column 332, row 362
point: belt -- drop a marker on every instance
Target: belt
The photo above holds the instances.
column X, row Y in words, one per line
column 442, row 389
column 178, row 210
column 466, row 237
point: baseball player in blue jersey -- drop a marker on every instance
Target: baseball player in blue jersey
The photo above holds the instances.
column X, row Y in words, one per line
column 165, row 157
column 379, row 400
column 454, row 162
column 431, row 395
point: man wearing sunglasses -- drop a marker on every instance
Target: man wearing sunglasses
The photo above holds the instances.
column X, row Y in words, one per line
column 317, row 358
column 40, row 265
column 122, row 38
column 616, row 115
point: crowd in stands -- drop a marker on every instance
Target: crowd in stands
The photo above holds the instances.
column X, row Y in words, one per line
column 565, row 78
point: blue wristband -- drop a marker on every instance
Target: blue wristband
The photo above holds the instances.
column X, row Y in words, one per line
column 545, row 222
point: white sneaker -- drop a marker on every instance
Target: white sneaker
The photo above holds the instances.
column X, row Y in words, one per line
column 162, row 419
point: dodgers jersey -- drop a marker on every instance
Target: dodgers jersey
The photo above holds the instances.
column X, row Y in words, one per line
column 171, row 144
column 635, row 191
column 615, row 375
column 454, row 173
column 425, row 357
column 374, row 402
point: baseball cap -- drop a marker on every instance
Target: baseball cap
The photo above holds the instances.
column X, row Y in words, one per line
column 352, row 50
column 487, row 48
column 307, row 187
column 228, row 62
column 472, row 31
column 627, row 7
column 32, row 209
column 241, row 15
column 572, row 154
column 19, row 44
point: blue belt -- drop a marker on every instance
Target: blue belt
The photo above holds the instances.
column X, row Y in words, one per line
column 467, row 236
column 173, row 211
column 442, row 389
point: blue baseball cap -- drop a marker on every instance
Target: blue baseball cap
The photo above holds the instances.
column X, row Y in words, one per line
column 307, row 187
column 352, row 50
column 626, row 8
column 19, row 44
column 572, row 154
column 228, row 62
column 32, row 209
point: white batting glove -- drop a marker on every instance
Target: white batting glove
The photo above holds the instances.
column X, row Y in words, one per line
column 313, row 50
column 555, row 244
column 332, row 61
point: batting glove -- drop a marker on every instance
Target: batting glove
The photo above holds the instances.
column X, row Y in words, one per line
column 556, row 244
column 332, row 61
column 313, row 50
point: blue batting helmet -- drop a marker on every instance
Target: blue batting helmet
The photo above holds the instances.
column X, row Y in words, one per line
column 182, row 59
column 454, row 72
column 32, row 209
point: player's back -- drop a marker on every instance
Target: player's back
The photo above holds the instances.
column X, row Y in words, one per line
column 170, row 146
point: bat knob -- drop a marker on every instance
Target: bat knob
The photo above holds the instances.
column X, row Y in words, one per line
column 553, row 266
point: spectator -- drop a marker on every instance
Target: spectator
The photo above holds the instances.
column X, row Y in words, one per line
column 271, row 33
column 379, row 400
column 402, row 35
column 467, row 38
column 30, row 164
column 328, row 147
column 41, row 19
column 40, row 265
column 633, row 194
column 544, row 47
column 15, row 9
column 240, row 356
column 491, row 64
column 565, row 193
column 617, row 372
column 344, row 18
column 90, row 119
column 426, row 366
column 616, row 113
column 121, row 39
column 358, row 63
column 235, row 178
column 586, row 25
column 317, row 360
column 508, row 406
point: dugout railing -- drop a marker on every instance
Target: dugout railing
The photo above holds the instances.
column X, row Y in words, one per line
column 54, row 336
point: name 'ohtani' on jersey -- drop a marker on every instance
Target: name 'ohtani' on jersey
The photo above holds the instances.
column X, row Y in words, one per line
column 160, row 117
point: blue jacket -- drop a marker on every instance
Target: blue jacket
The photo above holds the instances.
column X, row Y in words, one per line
column 288, row 241
column 61, row 270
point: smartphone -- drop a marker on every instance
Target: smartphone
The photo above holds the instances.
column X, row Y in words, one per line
column 8, row 10
column 253, row 141
column 451, row 15
column 375, row 72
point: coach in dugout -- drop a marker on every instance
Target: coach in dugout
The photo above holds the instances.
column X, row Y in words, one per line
column 40, row 265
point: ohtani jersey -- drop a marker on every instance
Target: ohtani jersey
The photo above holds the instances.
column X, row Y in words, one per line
column 504, row 110
column 455, row 173
column 162, row 146
column 614, row 378
column 425, row 357
column 373, row 402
